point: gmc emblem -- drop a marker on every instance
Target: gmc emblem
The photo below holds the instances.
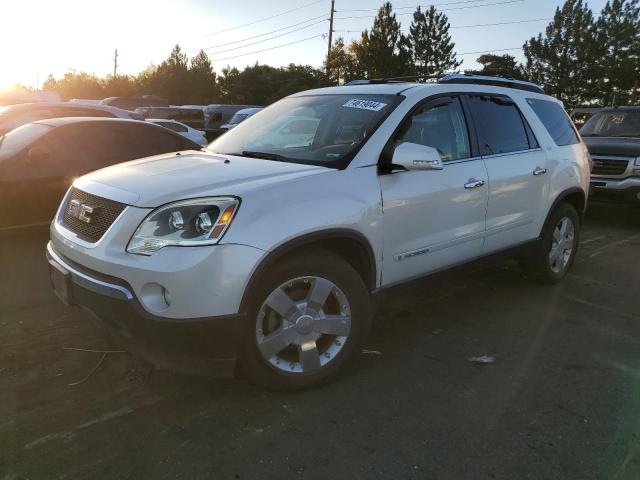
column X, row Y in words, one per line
column 81, row 211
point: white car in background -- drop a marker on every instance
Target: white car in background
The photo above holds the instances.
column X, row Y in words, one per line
column 185, row 130
column 239, row 117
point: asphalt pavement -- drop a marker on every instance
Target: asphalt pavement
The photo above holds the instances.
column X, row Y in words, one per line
column 561, row 399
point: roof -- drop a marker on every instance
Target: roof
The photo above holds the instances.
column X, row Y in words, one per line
column 368, row 89
column 76, row 105
column 58, row 122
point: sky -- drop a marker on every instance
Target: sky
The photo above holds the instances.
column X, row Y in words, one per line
column 42, row 37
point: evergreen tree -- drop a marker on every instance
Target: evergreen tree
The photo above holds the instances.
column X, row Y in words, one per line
column 202, row 80
column 563, row 59
column 383, row 52
column 499, row 66
column 171, row 78
column 618, row 39
column 430, row 43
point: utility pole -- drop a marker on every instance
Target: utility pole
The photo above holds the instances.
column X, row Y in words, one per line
column 115, row 63
column 330, row 34
column 634, row 92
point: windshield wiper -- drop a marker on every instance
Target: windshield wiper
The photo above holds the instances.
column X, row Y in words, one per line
column 265, row 155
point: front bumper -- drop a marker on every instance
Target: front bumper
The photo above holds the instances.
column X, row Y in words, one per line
column 628, row 187
column 205, row 346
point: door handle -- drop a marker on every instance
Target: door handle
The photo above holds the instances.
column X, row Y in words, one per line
column 473, row 183
column 539, row 171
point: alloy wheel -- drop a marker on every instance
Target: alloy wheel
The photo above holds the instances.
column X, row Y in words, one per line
column 561, row 245
column 303, row 324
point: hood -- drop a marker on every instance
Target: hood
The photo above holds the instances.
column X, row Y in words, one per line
column 613, row 146
column 154, row 181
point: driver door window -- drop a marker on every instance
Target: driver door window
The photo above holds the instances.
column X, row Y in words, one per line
column 441, row 125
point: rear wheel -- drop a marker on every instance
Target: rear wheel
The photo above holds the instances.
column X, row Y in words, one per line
column 557, row 249
column 310, row 316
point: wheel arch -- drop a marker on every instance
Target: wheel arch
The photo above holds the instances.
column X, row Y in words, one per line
column 574, row 196
column 349, row 244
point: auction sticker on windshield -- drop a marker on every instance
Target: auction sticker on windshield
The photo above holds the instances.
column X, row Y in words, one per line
column 365, row 104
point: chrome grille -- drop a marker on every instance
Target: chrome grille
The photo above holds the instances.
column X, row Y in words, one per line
column 105, row 213
column 608, row 166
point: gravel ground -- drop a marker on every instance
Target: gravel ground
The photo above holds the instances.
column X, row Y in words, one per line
column 560, row 401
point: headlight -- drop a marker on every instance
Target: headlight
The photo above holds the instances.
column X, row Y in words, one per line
column 188, row 223
column 637, row 162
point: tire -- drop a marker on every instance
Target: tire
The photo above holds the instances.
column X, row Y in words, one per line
column 294, row 339
column 550, row 261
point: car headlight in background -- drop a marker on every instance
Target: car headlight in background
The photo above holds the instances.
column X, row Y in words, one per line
column 188, row 223
column 637, row 162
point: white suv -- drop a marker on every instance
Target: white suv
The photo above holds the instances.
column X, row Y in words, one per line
column 267, row 248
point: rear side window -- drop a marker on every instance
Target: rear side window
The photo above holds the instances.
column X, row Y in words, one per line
column 500, row 125
column 555, row 120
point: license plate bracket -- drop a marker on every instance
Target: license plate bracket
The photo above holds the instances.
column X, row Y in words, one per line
column 61, row 282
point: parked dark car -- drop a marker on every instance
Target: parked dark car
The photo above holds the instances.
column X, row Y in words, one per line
column 194, row 117
column 612, row 136
column 40, row 160
column 131, row 103
column 15, row 116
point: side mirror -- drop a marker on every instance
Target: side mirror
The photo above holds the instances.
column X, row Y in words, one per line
column 413, row 156
column 38, row 154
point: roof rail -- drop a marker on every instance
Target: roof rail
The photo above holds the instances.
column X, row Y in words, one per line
column 495, row 81
column 403, row 79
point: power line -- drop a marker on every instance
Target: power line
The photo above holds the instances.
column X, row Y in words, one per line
column 471, row 26
column 489, row 51
column 411, row 6
column 266, row 39
column 267, row 49
column 264, row 19
column 443, row 9
column 259, row 35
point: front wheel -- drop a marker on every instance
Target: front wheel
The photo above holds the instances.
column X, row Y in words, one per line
column 310, row 316
column 557, row 249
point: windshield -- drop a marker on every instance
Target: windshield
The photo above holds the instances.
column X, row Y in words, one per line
column 325, row 130
column 612, row 124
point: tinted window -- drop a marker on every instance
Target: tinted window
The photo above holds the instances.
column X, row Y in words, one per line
column 148, row 140
column 176, row 127
column 555, row 120
column 441, row 126
column 500, row 125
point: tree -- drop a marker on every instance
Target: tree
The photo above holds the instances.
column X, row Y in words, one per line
column 119, row 86
column 342, row 63
column 202, row 79
column 263, row 84
column 170, row 79
column 499, row 66
column 563, row 59
column 618, row 41
column 383, row 52
column 75, row 85
column 430, row 43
